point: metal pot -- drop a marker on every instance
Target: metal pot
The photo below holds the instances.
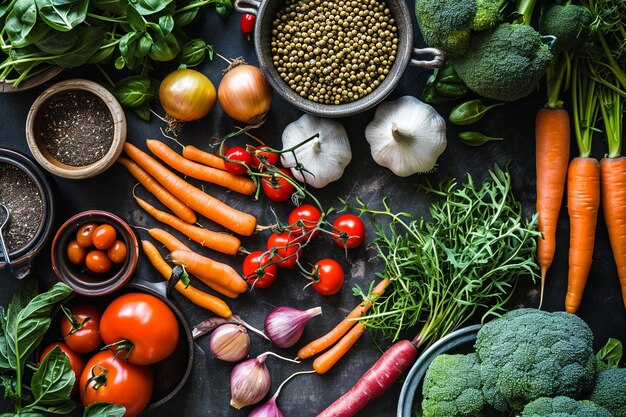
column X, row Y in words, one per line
column 265, row 10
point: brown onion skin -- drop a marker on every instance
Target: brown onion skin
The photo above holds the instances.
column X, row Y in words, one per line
column 244, row 94
column 187, row 95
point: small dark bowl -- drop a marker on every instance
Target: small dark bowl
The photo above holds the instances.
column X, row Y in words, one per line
column 84, row 282
column 459, row 341
column 171, row 374
column 22, row 258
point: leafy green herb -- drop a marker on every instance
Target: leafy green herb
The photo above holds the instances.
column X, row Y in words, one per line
column 465, row 260
column 104, row 410
column 470, row 112
column 476, row 138
column 444, row 86
column 610, row 354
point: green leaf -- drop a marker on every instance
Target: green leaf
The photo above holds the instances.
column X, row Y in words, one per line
column 58, row 42
column 102, row 55
column 610, row 355
column 117, row 7
column 135, row 90
column 135, row 20
column 102, row 409
column 53, row 382
column 193, row 52
column 166, row 23
column 89, row 41
column 143, row 46
column 62, row 15
column 8, row 384
column 165, row 49
column 148, row 7
column 62, row 408
column 185, row 18
column 143, row 112
column 21, row 25
column 128, row 47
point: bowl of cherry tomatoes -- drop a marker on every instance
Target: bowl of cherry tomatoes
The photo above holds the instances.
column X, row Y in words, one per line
column 95, row 252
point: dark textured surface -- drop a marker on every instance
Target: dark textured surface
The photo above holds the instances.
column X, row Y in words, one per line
column 207, row 393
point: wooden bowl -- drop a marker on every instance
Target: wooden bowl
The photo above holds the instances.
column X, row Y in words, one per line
column 36, row 81
column 41, row 154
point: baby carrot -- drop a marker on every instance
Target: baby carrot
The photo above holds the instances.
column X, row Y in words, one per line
column 328, row 359
column 164, row 196
column 206, row 158
column 192, row 169
column 199, row 298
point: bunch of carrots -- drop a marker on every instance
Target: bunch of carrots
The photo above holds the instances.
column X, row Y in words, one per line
column 598, row 85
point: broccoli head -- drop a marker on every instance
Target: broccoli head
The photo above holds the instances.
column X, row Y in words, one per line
column 487, row 15
column 568, row 23
column 505, row 63
column 610, row 391
column 563, row 407
column 527, row 354
column 452, row 387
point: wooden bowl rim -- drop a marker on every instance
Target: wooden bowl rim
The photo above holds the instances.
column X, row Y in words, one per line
column 30, row 83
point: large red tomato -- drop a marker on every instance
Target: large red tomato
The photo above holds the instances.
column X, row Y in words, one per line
column 110, row 379
column 141, row 326
column 76, row 361
column 80, row 327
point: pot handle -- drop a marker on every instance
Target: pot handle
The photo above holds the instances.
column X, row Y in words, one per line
column 247, row 6
column 438, row 59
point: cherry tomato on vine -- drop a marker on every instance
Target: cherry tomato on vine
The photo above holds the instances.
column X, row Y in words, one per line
column 117, row 252
column 110, row 379
column 97, row 261
column 144, row 328
column 76, row 253
column 80, row 327
column 238, row 156
column 85, row 234
column 76, row 361
column 303, row 219
column 104, row 236
column 349, row 231
column 247, row 24
column 287, row 248
column 327, row 277
column 258, row 269
column 269, row 158
column 277, row 188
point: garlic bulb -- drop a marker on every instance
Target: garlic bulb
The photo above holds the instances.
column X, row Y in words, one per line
column 324, row 157
column 284, row 325
column 406, row 136
column 230, row 342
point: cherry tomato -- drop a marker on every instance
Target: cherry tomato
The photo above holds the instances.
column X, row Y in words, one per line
column 258, row 270
column 277, row 188
column 349, row 231
column 146, row 326
column 97, row 261
column 76, row 361
column 287, row 248
column 117, row 252
column 80, row 327
column 110, row 379
column 76, row 253
column 85, row 234
column 304, row 219
column 327, row 277
column 104, row 236
column 241, row 156
column 269, row 158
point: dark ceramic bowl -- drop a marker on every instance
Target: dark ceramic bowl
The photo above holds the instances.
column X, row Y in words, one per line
column 459, row 341
column 265, row 10
column 22, row 258
column 171, row 373
column 82, row 281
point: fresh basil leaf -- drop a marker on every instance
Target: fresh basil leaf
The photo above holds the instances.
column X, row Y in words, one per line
column 117, row 7
column 58, row 42
column 165, row 49
column 135, row 90
column 89, row 41
column 119, row 63
column 148, row 7
column 27, row 291
column 610, row 354
column 143, row 112
column 102, row 55
column 193, row 53
column 135, row 20
column 9, row 385
column 21, row 25
column 128, row 47
column 53, row 382
column 186, row 17
column 143, row 45
column 63, row 408
column 102, row 409
column 25, row 53
column 4, row 7
column 166, row 23
column 62, row 17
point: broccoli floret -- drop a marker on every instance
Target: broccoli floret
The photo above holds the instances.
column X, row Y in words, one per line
column 452, row 387
column 527, row 354
column 610, row 391
column 568, row 23
column 447, row 24
column 505, row 63
column 564, row 407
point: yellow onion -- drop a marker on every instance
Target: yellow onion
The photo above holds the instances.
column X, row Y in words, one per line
column 187, row 95
column 244, row 93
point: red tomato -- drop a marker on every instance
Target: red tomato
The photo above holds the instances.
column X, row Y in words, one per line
column 277, row 188
column 146, row 326
column 76, row 253
column 85, row 233
column 80, row 327
column 287, row 248
column 76, row 361
column 117, row 252
column 97, row 261
column 269, row 158
column 238, row 155
column 110, row 379
column 258, row 270
column 349, row 231
column 304, row 219
column 327, row 277
column 104, row 236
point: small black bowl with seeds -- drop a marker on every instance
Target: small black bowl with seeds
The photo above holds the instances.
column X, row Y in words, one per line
column 76, row 129
column 27, row 193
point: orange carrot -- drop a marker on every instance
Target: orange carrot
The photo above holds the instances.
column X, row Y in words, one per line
column 208, row 206
column 164, row 196
column 206, row 158
column 328, row 359
column 206, row 268
column 221, row 242
column 552, row 143
column 583, row 202
column 194, row 295
column 192, row 169
column 322, row 343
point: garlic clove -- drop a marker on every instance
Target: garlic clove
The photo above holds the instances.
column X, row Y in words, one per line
column 285, row 325
column 250, row 381
column 230, row 343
